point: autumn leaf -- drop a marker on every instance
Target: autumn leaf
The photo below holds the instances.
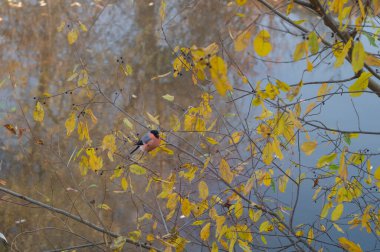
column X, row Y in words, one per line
column 309, row 147
column 310, row 235
column 186, row 207
column 219, row 75
column 300, row 51
column 241, row 2
column 162, row 10
column 124, row 183
column 262, row 44
column 203, row 190
column 38, row 113
column 83, row 78
column 326, row 159
column 205, row 232
column 242, row 41
column 360, row 84
column 109, row 143
column 153, row 119
column 235, row 137
column 136, row 169
column 72, row 36
column 168, row 97
column 104, row 207
column 225, row 171
column 349, row 245
column 238, row 209
column 70, row 123
column 313, row 43
column 337, row 212
column 358, row 56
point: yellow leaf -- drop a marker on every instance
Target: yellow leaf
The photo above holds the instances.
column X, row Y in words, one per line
column 267, row 179
column 337, row 212
column 104, row 206
column 236, row 137
column 146, row 216
column 338, row 228
column 124, row 183
column 186, row 207
column 266, row 227
column 377, row 173
column 289, row 8
column 343, row 173
column 128, row 123
column 134, row 235
column 150, row 238
column 211, row 140
column 262, row 44
column 372, row 60
column 326, row 159
column 282, row 182
column 225, row 171
column 309, row 66
column 95, row 162
column 162, row 10
column 242, row 41
column 241, row 2
column 322, row 91
column 152, row 118
column 360, row 84
column 349, row 245
column 282, row 85
column 168, row 97
column 310, row 236
column 83, row 26
column 277, row 149
column 257, row 215
column 309, row 147
column 268, row 154
column 316, row 193
column 300, row 51
column 343, row 54
column 248, row 186
column 214, row 247
column 219, row 75
column 83, row 78
column 174, row 123
column 203, row 190
column 136, row 169
column 83, row 131
column 61, row 26
column 238, row 209
column 38, row 113
column 205, row 232
column 358, row 56
column 313, row 43
column 325, row 210
column 72, row 36
column 109, row 143
column 299, row 233
column 92, row 116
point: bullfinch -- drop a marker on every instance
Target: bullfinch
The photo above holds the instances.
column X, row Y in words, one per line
column 148, row 142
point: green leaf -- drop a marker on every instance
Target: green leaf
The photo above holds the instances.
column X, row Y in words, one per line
column 333, row 167
column 371, row 39
column 136, row 169
column 346, row 138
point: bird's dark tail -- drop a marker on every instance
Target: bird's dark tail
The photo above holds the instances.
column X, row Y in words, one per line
column 137, row 147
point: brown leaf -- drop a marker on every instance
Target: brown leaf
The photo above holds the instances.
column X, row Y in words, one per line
column 11, row 128
column 40, row 142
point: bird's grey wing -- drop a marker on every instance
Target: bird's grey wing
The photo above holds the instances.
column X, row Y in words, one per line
column 145, row 138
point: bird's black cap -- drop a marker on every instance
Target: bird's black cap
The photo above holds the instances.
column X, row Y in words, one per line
column 155, row 133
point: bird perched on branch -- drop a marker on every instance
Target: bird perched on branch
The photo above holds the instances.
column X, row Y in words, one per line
column 148, row 142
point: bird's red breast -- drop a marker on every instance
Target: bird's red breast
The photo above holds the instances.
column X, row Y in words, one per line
column 152, row 144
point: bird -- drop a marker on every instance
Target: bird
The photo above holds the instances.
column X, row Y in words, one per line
column 150, row 141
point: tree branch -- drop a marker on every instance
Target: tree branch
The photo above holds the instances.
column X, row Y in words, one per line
column 74, row 217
